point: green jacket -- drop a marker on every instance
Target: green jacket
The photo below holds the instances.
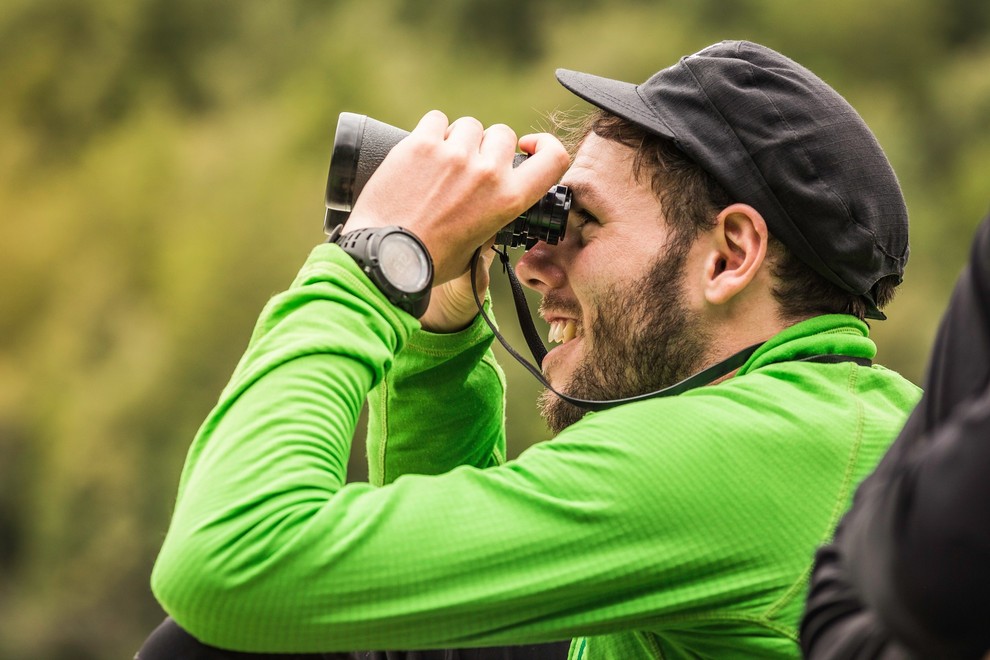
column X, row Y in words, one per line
column 674, row 527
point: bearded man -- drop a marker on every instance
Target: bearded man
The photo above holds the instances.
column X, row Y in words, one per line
column 732, row 210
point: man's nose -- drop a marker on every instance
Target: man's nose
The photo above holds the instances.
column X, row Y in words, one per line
column 539, row 268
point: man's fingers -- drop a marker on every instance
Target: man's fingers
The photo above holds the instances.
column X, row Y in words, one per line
column 545, row 146
column 466, row 130
column 499, row 142
column 547, row 162
column 434, row 124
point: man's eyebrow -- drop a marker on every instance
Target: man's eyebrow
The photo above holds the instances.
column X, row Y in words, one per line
column 585, row 194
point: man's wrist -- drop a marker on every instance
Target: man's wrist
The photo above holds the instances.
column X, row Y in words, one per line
column 395, row 260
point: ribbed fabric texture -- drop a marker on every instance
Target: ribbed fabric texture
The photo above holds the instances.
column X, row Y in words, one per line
column 676, row 527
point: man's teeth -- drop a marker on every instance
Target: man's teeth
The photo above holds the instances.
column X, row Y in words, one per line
column 561, row 332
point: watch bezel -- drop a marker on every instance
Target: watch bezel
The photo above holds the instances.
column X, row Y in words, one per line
column 364, row 246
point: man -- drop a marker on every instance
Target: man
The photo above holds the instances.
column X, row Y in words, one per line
column 732, row 200
column 907, row 575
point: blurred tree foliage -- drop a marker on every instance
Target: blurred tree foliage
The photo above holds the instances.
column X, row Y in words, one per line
column 161, row 175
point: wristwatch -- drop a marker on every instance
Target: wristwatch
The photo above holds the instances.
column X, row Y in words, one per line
column 395, row 260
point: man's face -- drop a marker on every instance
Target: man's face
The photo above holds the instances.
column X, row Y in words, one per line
column 613, row 290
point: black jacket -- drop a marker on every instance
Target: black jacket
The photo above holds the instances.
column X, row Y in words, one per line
column 908, row 574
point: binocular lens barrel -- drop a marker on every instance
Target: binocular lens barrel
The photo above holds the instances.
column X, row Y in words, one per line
column 361, row 144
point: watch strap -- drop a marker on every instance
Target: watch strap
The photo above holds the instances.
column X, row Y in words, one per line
column 361, row 245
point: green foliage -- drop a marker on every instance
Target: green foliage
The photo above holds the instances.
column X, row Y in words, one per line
column 161, row 175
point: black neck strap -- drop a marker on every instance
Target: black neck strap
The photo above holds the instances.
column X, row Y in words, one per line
column 834, row 358
column 539, row 351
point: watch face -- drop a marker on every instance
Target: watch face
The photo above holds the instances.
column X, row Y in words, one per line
column 403, row 263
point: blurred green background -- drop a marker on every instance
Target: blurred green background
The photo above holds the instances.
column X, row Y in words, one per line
column 162, row 165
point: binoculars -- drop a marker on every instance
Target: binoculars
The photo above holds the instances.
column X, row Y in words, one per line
column 361, row 144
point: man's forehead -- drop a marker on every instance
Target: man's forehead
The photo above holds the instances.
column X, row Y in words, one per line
column 599, row 165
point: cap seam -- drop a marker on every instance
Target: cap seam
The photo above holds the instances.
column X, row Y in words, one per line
column 804, row 152
column 750, row 158
column 826, row 184
column 654, row 111
column 831, row 190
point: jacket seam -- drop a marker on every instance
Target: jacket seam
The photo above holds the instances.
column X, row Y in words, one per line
column 382, row 463
column 839, row 506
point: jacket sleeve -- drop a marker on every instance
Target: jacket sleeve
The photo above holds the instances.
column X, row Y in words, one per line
column 440, row 406
column 594, row 532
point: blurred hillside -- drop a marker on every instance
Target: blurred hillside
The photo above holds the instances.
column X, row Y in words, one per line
column 162, row 166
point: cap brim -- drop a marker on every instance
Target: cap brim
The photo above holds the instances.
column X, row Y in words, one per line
column 618, row 97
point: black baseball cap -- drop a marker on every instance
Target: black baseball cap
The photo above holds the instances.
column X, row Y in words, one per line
column 778, row 138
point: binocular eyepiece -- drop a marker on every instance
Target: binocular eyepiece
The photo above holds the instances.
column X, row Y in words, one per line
column 361, row 144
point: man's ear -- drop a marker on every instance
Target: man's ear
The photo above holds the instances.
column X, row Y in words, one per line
column 738, row 248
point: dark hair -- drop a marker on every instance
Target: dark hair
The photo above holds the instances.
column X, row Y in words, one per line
column 801, row 292
column 691, row 199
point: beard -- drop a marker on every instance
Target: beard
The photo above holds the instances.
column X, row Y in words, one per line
column 651, row 341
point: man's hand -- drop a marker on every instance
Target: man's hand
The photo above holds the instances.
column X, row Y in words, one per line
column 454, row 186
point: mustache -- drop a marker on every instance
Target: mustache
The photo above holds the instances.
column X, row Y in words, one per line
column 557, row 303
